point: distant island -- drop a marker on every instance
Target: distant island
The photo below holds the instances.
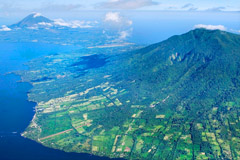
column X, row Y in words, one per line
column 177, row 99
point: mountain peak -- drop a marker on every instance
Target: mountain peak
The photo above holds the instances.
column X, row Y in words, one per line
column 193, row 47
column 31, row 21
column 35, row 15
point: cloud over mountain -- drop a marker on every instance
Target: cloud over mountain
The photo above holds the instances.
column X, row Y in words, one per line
column 211, row 27
column 37, row 21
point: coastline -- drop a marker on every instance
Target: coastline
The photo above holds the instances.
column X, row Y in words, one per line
column 24, row 133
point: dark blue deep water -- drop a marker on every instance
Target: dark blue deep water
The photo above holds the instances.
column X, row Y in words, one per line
column 16, row 112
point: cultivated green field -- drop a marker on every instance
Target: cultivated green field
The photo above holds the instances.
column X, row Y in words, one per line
column 178, row 99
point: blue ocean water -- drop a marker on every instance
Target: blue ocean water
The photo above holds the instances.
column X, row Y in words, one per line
column 16, row 112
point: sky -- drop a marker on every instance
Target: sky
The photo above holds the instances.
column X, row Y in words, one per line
column 7, row 7
column 15, row 9
column 140, row 18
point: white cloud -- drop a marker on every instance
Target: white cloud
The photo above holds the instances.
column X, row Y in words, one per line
column 115, row 17
column 234, row 31
column 112, row 45
column 81, row 24
column 124, row 34
column 130, row 22
column 45, row 24
column 33, row 27
column 125, row 4
column 61, row 22
column 5, row 28
column 35, row 40
column 36, row 15
column 211, row 27
column 118, row 24
column 74, row 24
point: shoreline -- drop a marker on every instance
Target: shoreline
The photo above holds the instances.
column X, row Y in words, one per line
column 24, row 132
